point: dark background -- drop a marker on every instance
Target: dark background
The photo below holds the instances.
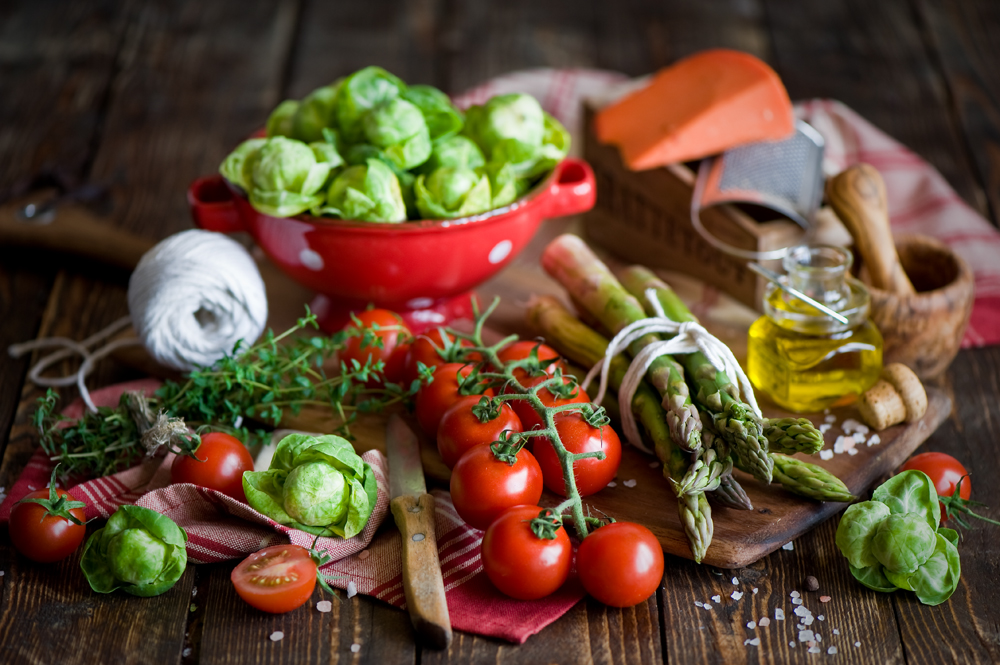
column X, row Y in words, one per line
column 146, row 96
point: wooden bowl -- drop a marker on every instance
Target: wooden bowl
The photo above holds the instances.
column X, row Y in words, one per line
column 924, row 331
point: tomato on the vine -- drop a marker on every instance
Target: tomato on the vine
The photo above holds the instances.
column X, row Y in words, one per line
column 222, row 459
column 620, row 564
column 529, row 417
column 461, row 427
column 592, row 475
column 482, row 486
column 276, row 579
column 376, row 335
column 518, row 562
column 424, row 349
column 944, row 471
column 435, row 398
column 41, row 527
column 522, row 349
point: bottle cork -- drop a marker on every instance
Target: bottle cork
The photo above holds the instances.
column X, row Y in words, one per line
column 898, row 396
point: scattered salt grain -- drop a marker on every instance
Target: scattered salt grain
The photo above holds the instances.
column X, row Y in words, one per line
column 779, row 614
column 1, row 573
column 364, row 554
column 755, row 591
column 194, row 591
column 736, row 595
column 796, row 601
column 826, row 411
column 826, row 454
column 355, row 647
column 802, row 611
column 751, row 625
column 814, row 649
column 187, row 652
column 819, row 638
column 824, row 428
column 805, row 635
column 708, row 606
column 717, row 598
column 698, row 603
column 836, row 631
column 324, row 606
column 821, row 617
column 629, row 483
column 754, row 642
column 352, row 589
column 875, row 440
column 735, row 581
column 807, row 620
column 852, row 451
column 795, row 594
column 830, row 419
column 653, row 465
column 791, row 644
column 857, row 644
column 277, row 635
column 788, row 546
column 824, row 599
column 832, row 650
column 612, row 484
column 764, row 622
column 852, row 425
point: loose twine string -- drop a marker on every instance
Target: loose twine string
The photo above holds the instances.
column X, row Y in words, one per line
column 687, row 337
column 191, row 299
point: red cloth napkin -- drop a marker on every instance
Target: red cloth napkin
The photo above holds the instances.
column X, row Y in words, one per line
column 220, row 528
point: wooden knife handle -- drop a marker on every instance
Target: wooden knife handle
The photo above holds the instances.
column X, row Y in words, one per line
column 858, row 197
column 422, row 580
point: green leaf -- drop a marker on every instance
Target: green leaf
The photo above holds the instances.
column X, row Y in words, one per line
column 911, row 492
column 937, row 578
column 359, row 93
column 874, row 578
column 443, row 120
column 949, row 534
column 903, row 542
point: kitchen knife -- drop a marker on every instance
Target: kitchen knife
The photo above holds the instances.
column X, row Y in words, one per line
column 413, row 510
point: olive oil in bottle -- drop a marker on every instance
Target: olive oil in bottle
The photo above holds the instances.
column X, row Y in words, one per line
column 803, row 359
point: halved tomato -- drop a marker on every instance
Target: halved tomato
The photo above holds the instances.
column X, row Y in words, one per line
column 276, row 579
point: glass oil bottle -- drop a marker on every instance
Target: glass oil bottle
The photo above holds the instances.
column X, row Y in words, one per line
column 803, row 359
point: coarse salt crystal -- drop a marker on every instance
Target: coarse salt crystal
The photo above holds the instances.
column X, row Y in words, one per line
column 629, row 483
column 352, row 589
column 807, row 620
column 755, row 642
column 736, row 595
column 708, row 606
column 788, row 546
column 187, row 652
column 875, row 440
column 852, row 451
column 852, row 425
column 612, row 484
column 277, row 635
column 796, row 601
column 857, row 644
column 824, row 428
column 364, row 554
column 795, row 594
column 355, row 647
column 821, row 617
column 698, row 603
column 824, row 599
column 735, row 581
column 764, row 622
column 194, row 591
column 830, row 419
column 717, row 598
column 814, row 649
column 805, row 635
column 800, row 627
column 836, row 631
column 826, row 454
column 324, row 606
column 802, row 611
column 779, row 614
column 755, row 591
column 832, row 650
column 791, row 644
column 751, row 625
column 826, row 411
column 1, row 573
column 819, row 638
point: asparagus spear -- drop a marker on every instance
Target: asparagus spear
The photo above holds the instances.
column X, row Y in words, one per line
column 590, row 283
column 730, row 493
column 733, row 419
column 793, row 435
column 809, row 480
column 579, row 343
column 707, row 469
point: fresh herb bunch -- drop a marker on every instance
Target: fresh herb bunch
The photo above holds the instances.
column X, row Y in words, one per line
column 279, row 374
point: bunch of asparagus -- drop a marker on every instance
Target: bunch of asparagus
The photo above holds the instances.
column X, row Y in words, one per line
column 698, row 439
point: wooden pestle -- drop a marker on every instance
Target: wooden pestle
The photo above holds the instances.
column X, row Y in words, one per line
column 858, row 197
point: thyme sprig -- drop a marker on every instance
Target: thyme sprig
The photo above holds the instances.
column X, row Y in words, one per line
column 259, row 384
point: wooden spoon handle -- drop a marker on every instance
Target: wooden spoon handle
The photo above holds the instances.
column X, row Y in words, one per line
column 858, row 197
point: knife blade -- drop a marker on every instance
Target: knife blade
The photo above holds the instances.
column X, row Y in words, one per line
column 413, row 510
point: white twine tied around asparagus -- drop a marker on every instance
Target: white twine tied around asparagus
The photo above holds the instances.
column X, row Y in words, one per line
column 688, row 337
column 191, row 298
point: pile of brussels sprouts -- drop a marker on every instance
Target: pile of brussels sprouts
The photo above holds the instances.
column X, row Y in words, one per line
column 370, row 148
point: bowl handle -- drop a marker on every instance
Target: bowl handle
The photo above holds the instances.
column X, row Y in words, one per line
column 573, row 189
column 212, row 205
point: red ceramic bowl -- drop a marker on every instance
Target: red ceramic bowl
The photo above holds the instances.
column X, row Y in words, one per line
column 424, row 270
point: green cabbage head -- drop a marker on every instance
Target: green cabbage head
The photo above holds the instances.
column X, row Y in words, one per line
column 316, row 484
column 139, row 551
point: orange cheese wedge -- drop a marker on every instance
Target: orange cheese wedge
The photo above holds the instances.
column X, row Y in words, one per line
column 700, row 106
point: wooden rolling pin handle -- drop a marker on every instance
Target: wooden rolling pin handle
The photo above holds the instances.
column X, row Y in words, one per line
column 858, row 197
column 422, row 578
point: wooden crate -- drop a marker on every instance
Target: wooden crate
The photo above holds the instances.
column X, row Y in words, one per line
column 644, row 217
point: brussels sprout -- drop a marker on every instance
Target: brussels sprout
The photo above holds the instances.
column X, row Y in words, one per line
column 515, row 119
column 448, row 193
column 503, row 183
column 316, row 112
column 238, row 166
column 316, row 484
column 874, row 578
column 937, row 578
column 856, row 530
column 911, row 492
column 326, row 151
column 554, row 148
column 443, row 120
column 457, row 152
column 903, row 542
column 359, row 93
column 398, row 128
column 286, row 176
column 139, row 551
column 279, row 123
column 369, row 193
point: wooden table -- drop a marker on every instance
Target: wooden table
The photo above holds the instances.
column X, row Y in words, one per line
column 145, row 96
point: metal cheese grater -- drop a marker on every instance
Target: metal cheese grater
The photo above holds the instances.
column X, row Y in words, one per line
column 785, row 176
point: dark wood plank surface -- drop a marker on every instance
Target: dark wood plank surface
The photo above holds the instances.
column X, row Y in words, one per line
column 145, row 96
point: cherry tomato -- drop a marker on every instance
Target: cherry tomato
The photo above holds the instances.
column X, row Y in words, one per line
column 592, row 474
column 461, row 429
column 529, row 417
column 276, row 579
column 44, row 537
column 944, row 471
column 395, row 366
column 387, row 332
column 482, row 486
column 519, row 563
column 422, row 349
column 620, row 564
column 435, row 398
column 222, row 459
column 521, row 350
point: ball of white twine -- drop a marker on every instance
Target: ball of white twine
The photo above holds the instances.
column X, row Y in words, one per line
column 193, row 296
